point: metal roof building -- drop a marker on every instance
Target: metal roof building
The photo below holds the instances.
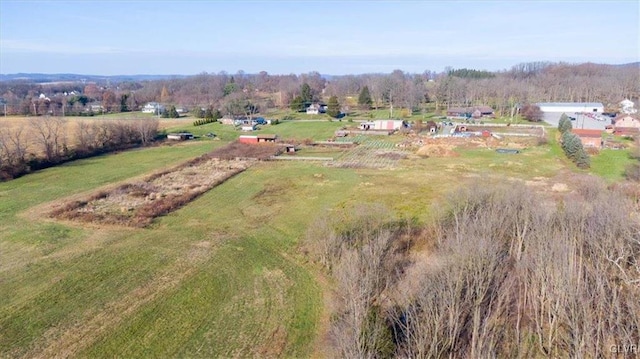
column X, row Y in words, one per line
column 571, row 107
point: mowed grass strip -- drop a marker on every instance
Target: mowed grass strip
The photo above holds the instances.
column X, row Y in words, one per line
column 221, row 277
column 252, row 297
column 88, row 303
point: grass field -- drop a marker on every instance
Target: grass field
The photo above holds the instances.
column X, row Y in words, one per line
column 222, row 276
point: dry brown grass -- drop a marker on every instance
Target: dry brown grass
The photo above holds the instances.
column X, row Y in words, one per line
column 136, row 204
column 261, row 151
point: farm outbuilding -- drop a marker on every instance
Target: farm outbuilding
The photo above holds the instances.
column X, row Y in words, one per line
column 267, row 138
column 432, row 127
column 470, row 112
column 589, row 138
column 571, row 107
column 388, row 124
column 248, row 139
column 626, row 125
column 180, row 136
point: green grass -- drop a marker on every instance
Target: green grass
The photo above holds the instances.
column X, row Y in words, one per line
column 321, row 130
column 220, row 277
column 610, row 164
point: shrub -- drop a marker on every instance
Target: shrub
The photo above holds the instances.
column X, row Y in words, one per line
column 632, row 172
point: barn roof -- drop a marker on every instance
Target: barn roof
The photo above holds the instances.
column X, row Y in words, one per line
column 587, row 133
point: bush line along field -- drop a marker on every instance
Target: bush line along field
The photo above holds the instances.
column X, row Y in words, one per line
column 223, row 276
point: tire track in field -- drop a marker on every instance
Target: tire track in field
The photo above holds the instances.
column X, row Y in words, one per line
column 69, row 341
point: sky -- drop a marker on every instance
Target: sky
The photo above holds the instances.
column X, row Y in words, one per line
column 330, row 37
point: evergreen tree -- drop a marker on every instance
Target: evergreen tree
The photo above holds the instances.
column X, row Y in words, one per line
column 306, row 93
column 297, row 104
column 574, row 150
column 230, row 88
column 564, row 125
column 333, row 107
column 364, row 100
column 171, row 113
column 582, row 159
column 123, row 103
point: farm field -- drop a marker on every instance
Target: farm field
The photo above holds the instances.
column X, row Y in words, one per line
column 223, row 276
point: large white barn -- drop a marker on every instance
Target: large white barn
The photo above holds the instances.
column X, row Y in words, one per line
column 571, row 107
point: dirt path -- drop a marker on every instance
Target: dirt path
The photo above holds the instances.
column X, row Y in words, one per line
column 322, row 347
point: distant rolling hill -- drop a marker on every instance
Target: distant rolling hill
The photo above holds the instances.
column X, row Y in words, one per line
column 47, row 78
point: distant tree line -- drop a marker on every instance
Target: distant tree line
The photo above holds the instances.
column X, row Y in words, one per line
column 242, row 94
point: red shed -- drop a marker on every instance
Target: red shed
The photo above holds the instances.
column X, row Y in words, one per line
column 248, row 139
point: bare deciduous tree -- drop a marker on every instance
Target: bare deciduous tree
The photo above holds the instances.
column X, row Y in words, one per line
column 50, row 135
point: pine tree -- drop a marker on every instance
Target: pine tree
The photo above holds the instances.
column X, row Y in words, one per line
column 582, row 159
column 364, row 100
column 171, row 113
column 571, row 145
column 297, row 104
column 306, row 93
column 333, row 107
column 564, row 125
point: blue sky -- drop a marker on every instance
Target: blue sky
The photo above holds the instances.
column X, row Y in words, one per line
column 331, row 37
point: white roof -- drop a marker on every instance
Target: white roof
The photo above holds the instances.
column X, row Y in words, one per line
column 573, row 104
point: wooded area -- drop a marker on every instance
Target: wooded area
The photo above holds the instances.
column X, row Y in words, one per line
column 497, row 274
column 235, row 93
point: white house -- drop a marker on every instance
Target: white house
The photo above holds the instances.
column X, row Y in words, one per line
column 571, row 107
column 626, row 106
column 313, row 109
column 153, row 107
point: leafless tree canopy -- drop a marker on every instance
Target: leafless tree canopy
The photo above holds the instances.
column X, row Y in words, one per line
column 507, row 274
column 502, row 90
column 54, row 142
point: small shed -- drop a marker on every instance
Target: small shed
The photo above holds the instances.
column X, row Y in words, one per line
column 432, row 127
column 180, row 136
column 248, row 127
column 267, row 138
column 248, row 139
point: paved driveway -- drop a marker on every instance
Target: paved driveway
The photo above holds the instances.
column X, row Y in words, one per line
column 582, row 122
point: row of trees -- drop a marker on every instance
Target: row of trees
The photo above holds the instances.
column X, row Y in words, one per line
column 497, row 274
column 571, row 143
column 524, row 83
column 47, row 141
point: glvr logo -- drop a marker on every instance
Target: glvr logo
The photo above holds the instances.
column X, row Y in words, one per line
column 624, row 349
